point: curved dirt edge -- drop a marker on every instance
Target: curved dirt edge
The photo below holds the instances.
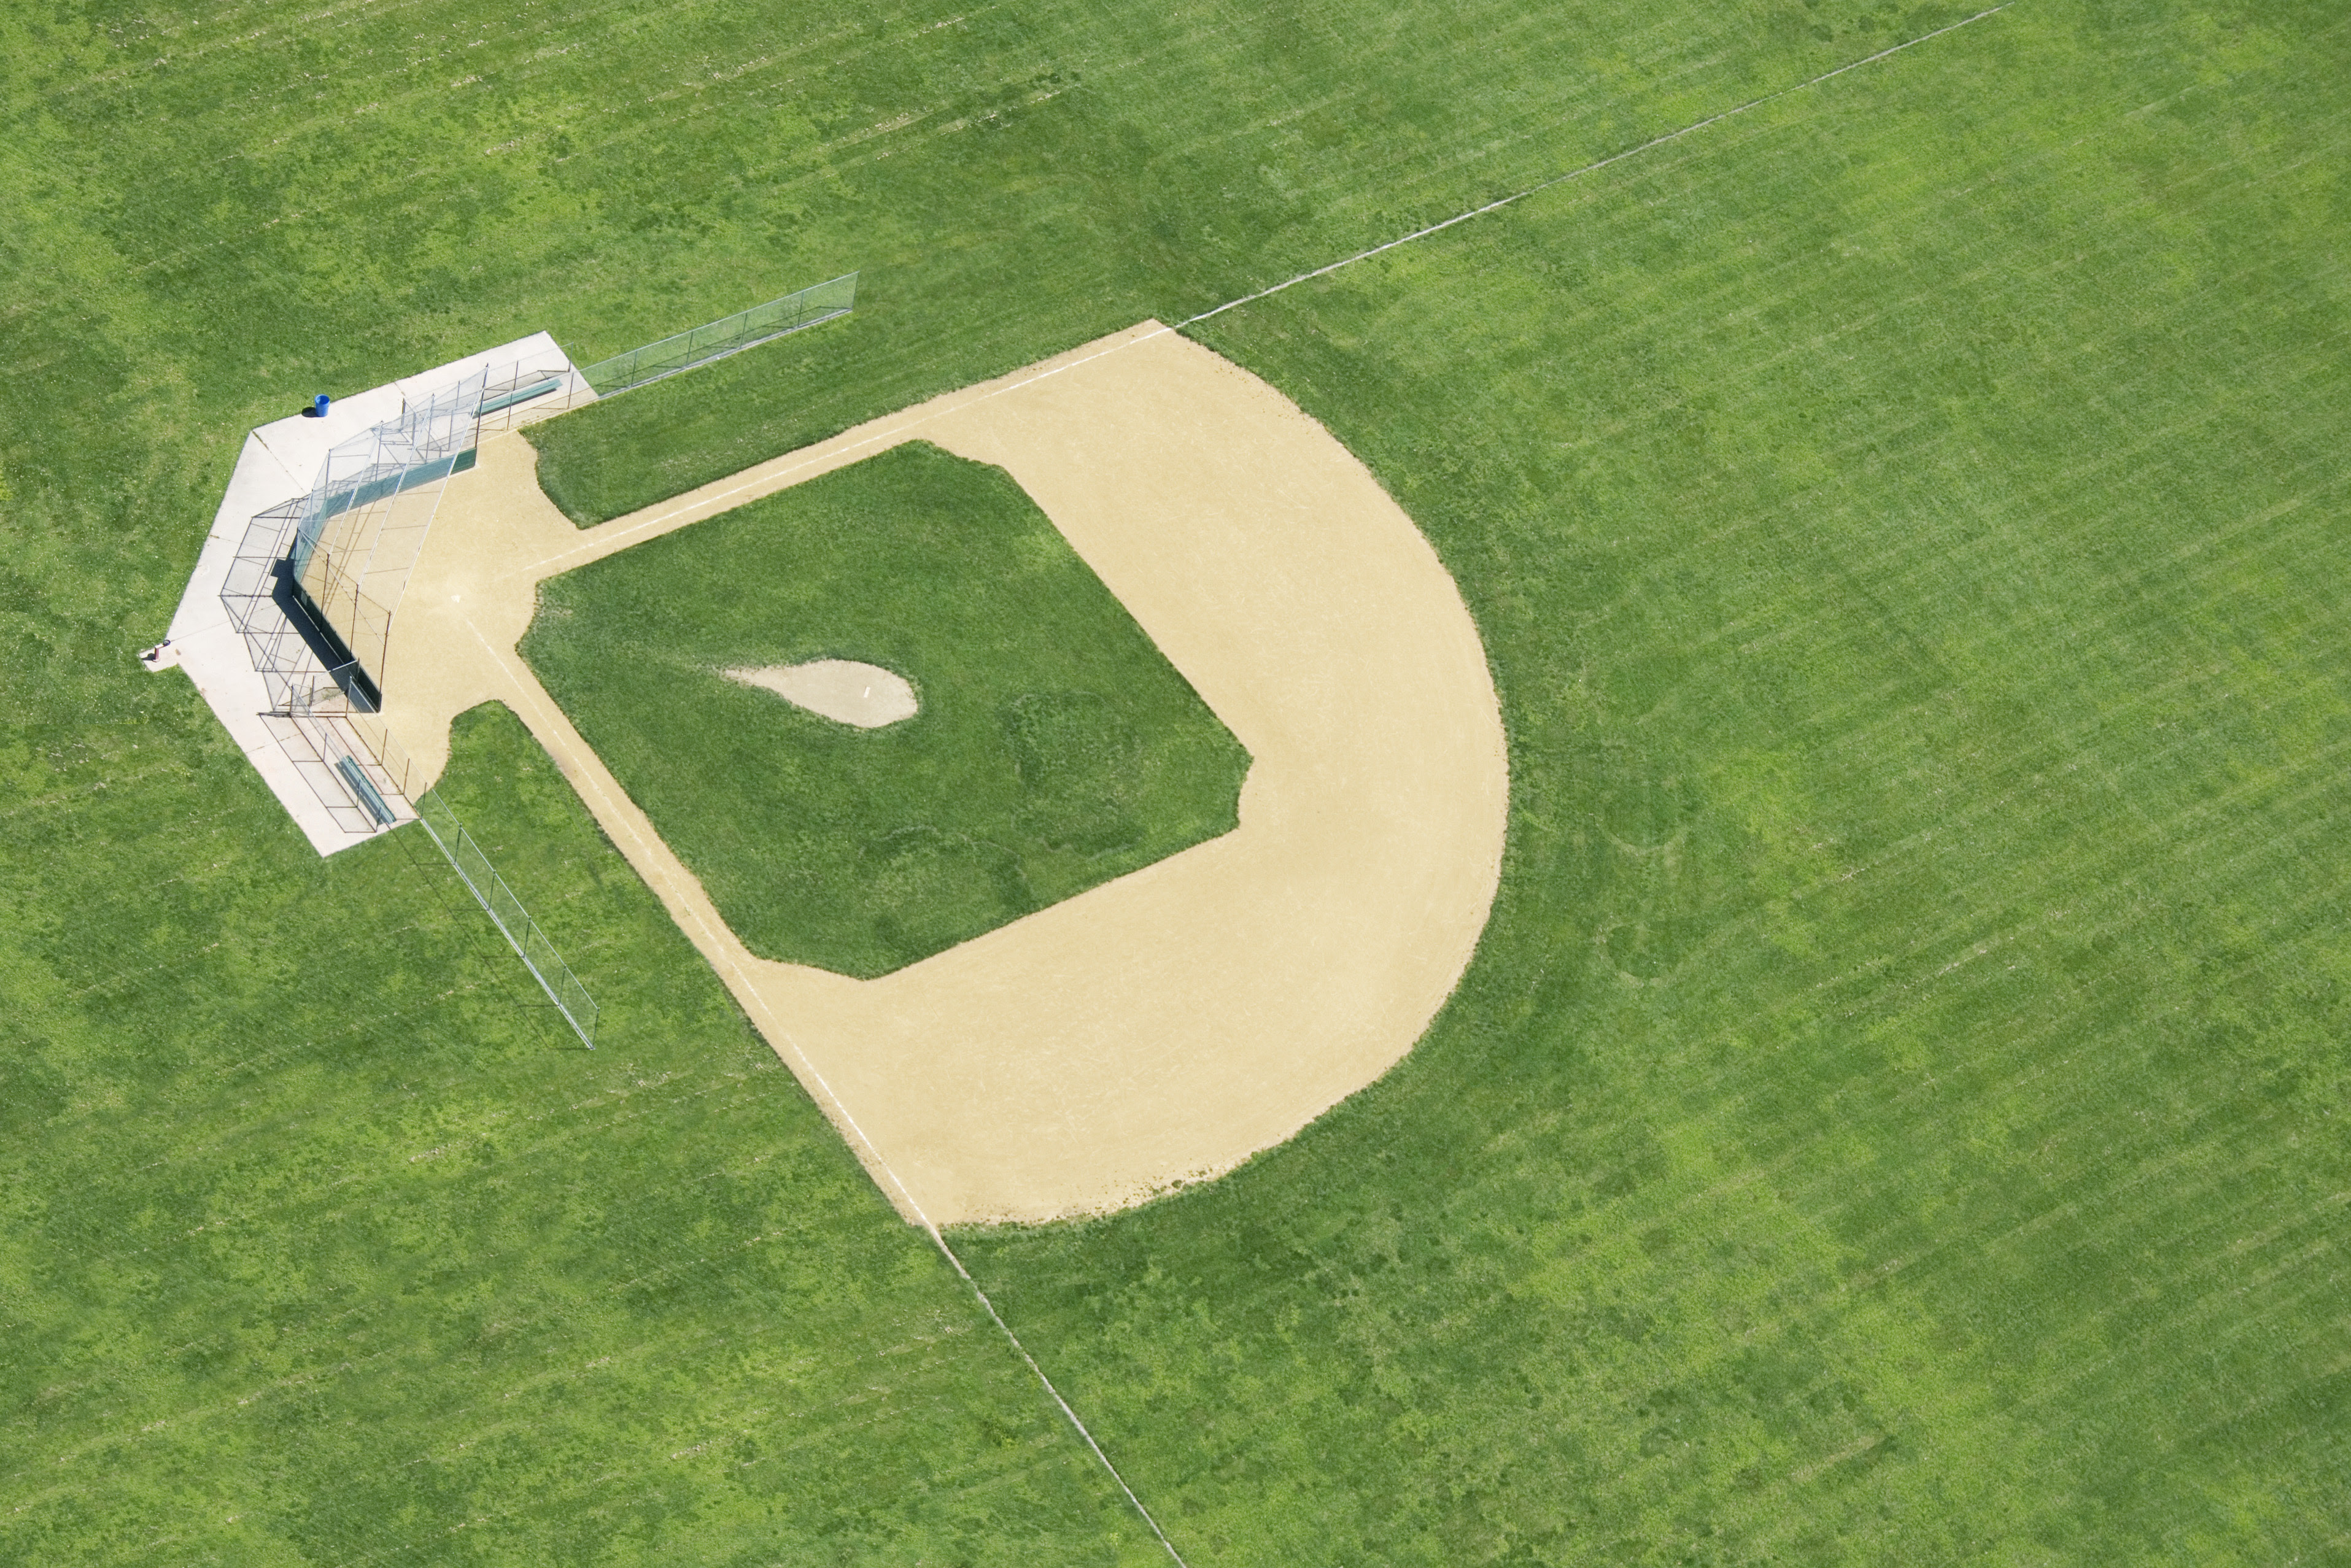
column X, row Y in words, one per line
column 1163, row 1028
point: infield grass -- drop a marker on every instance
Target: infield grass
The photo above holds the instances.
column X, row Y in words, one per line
column 1897, row 1114
column 1055, row 747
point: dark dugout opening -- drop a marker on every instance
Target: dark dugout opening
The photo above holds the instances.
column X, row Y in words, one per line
column 322, row 641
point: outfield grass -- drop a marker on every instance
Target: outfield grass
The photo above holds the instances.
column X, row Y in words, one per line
column 1055, row 747
column 1897, row 1112
column 327, row 1243
column 1015, row 185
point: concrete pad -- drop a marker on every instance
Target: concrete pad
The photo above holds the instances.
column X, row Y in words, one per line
column 280, row 462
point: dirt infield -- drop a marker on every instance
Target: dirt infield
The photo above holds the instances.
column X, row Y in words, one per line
column 1163, row 1027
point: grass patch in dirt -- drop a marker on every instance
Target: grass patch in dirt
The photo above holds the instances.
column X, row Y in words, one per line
column 1055, row 747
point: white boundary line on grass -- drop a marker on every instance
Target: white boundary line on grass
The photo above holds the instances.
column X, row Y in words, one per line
column 940, row 1240
column 841, row 1114
column 1499, row 202
column 897, row 433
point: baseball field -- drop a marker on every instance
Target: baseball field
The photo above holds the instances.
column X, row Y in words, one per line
column 1895, row 1111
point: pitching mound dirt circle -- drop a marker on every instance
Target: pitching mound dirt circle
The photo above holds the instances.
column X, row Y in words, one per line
column 844, row 690
column 1163, row 1027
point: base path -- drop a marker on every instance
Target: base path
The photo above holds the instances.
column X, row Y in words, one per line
column 1162, row 1028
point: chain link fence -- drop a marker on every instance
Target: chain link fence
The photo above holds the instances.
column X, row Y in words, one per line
column 507, row 913
column 314, row 582
column 728, row 334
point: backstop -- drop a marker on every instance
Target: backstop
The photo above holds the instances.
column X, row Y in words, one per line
column 313, row 582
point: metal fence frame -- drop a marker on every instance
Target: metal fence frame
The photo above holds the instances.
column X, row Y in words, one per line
column 333, row 755
column 315, row 580
column 728, row 334
column 312, row 588
column 507, row 913
column 366, row 780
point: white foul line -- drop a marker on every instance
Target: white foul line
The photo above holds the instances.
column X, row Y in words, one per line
column 591, row 776
column 1578, row 173
column 897, row 432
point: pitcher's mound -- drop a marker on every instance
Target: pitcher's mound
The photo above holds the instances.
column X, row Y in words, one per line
column 844, row 690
